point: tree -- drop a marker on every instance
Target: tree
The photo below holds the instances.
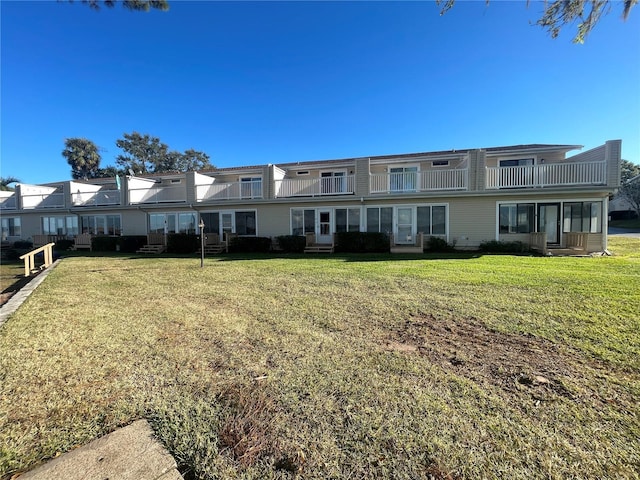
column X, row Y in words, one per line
column 135, row 5
column 631, row 192
column 83, row 157
column 6, row 181
column 628, row 170
column 147, row 154
column 560, row 13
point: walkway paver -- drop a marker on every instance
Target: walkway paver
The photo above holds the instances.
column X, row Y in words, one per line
column 130, row 453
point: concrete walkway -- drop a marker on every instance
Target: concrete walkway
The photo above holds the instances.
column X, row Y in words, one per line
column 130, row 453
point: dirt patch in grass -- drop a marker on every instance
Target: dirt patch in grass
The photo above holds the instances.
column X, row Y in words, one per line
column 521, row 365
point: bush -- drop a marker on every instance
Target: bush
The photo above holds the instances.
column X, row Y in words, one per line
column 11, row 254
column 131, row 243
column 365, row 242
column 437, row 244
column 495, row 246
column 63, row 245
column 250, row 245
column 182, row 243
column 291, row 243
column 23, row 245
column 104, row 244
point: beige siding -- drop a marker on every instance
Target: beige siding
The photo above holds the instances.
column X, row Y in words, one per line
column 472, row 221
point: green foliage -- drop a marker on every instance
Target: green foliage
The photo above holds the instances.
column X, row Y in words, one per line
column 23, row 245
column 104, row 244
column 496, row 246
column 135, row 5
column 63, row 245
column 131, row 243
column 182, row 242
column 291, row 243
column 6, row 181
column 147, row 154
column 628, row 170
column 560, row 13
column 630, row 191
column 250, row 245
column 438, row 244
column 365, row 242
column 83, row 157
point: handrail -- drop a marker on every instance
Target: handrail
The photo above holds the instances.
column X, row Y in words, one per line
column 29, row 258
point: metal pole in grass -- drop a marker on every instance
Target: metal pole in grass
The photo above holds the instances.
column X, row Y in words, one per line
column 201, row 225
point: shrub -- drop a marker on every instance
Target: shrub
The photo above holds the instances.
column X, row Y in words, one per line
column 182, row 243
column 131, row 243
column 365, row 242
column 250, row 245
column 104, row 244
column 437, row 244
column 292, row 243
column 23, row 245
column 495, row 246
column 11, row 254
column 63, row 245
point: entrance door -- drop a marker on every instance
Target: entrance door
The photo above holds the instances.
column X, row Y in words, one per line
column 549, row 221
column 404, row 230
column 226, row 224
column 324, row 227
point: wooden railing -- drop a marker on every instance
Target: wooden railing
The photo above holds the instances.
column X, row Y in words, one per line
column 546, row 175
column 315, row 187
column 428, row 180
column 538, row 241
column 30, row 261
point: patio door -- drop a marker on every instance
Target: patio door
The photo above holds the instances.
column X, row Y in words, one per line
column 549, row 221
column 404, row 226
column 226, row 224
column 323, row 234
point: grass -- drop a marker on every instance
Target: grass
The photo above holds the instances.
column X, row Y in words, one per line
column 448, row 366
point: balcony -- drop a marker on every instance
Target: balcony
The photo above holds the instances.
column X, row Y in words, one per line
column 547, row 175
column 428, row 180
column 95, row 199
column 157, row 194
column 43, row 200
column 7, row 200
column 315, row 187
column 229, row 191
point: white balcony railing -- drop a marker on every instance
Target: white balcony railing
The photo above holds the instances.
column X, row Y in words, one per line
column 101, row 197
column 157, row 194
column 547, row 175
column 8, row 203
column 428, row 180
column 313, row 187
column 43, row 200
column 229, row 191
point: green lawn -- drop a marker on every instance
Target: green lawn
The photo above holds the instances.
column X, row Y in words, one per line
column 317, row 367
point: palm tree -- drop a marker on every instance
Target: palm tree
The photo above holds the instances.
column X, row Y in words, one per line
column 6, row 181
column 83, row 157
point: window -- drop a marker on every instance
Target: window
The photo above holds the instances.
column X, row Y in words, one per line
column 303, row 172
column 516, row 162
column 403, row 179
column 440, row 163
column 517, row 218
column 347, row 219
column 184, row 222
column 100, row 224
column 246, row 223
column 303, row 221
column 333, row 182
column 211, row 222
column 11, row 227
column 251, row 187
column 380, row 219
column 432, row 220
column 582, row 217
column 60, row 225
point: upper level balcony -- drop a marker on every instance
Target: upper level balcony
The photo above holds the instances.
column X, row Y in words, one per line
column 315, row 187
column 7, row 200
column 246, row 189
column 40, row 196
column 414, row 181
column 547, row 175
column 96, row 199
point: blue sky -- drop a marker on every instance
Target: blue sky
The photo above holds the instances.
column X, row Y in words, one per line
column 269, row 82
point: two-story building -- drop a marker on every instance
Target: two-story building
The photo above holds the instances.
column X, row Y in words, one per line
column 463, row 196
